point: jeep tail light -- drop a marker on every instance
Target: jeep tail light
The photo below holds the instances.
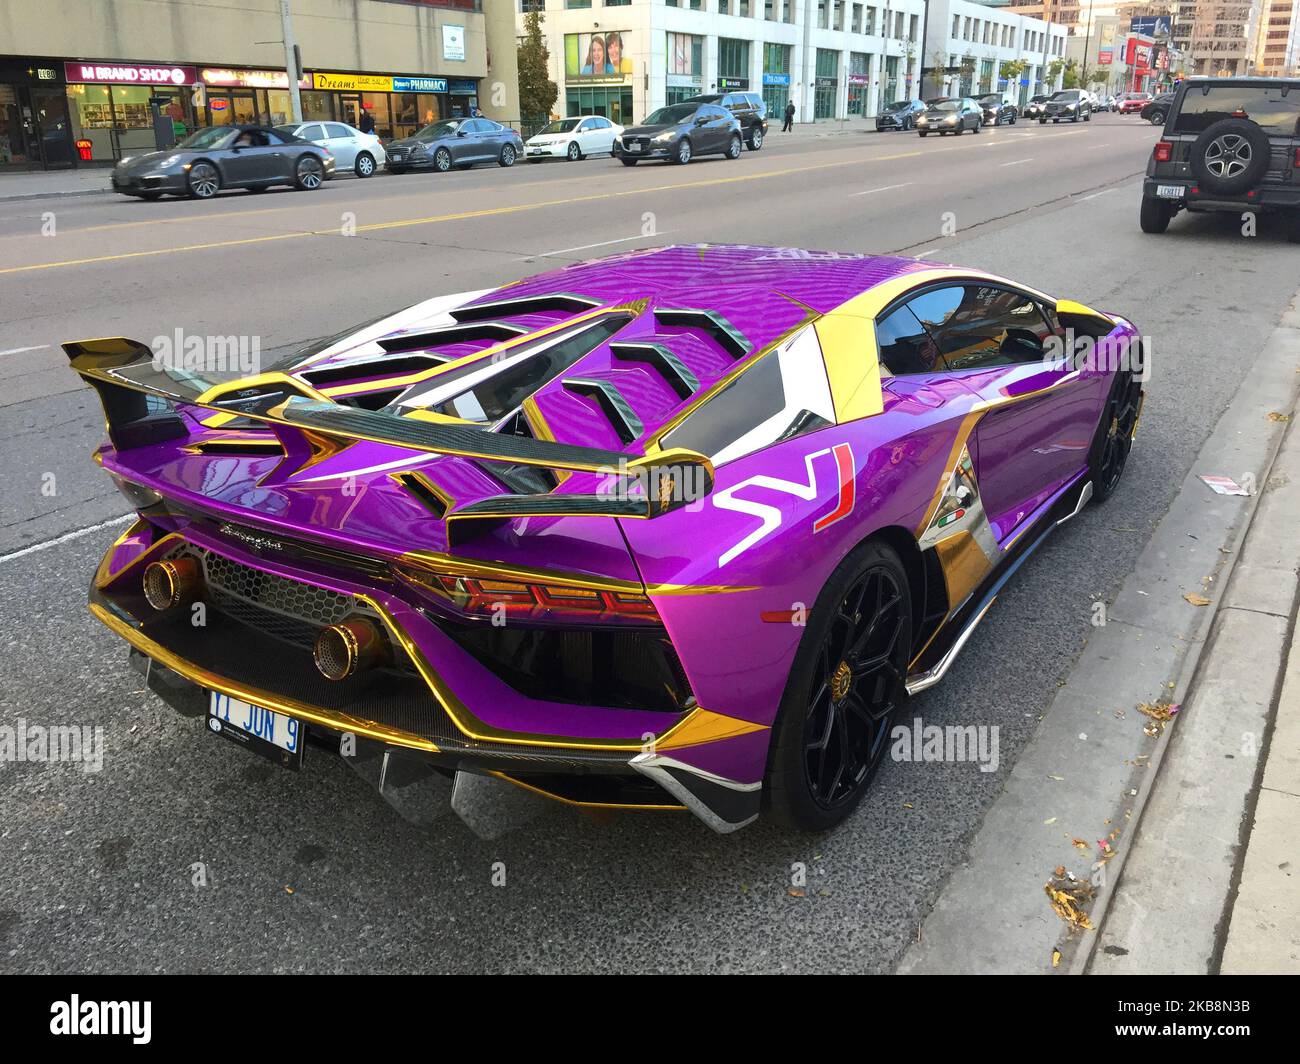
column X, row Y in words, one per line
column 1164, row 151
column 1296, row 161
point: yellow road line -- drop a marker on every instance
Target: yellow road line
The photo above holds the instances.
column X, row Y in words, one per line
column 454, row 217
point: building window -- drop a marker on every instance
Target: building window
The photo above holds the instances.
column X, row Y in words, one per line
column 572, row 4
column 869, row 24
column 826, row 84
column 859, row 83
column 615, row 3
column 857, row 18
column 776, row 79
column 527, row 6
column 685, row 67
column 911, row 28
column 733, row 64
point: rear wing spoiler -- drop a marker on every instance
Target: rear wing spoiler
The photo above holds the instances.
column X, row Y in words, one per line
column 138, row 396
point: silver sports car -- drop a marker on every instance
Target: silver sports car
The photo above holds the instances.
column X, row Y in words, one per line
column 218, row 157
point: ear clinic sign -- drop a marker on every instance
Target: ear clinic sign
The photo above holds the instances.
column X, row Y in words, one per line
column 129, row 74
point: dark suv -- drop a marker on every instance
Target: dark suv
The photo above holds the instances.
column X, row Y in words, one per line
column 1070, row 104
column 1229, row 144
column 749, row 109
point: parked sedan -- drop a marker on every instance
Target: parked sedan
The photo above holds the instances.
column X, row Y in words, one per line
column 951, row 116
column 1036, row 105
column 997, row 111
column 218, row 157
column 362, row 153
column 1157, row 110
column 573, row 139
column 1132, row 102
column 680, row 132
column 901, row 114
column 455, row 142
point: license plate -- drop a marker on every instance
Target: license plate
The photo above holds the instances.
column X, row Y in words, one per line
column 536, row 151
column 633, row 147
column 264, row 732
column 1170, row 191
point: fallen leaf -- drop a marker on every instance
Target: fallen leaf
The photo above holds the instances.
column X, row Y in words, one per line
column 1274, row 415
column 1051, row 821
column 1079, row 845
column 798, row 892
column 907, row 805
column 1068, row 898
column 1196, row 600
column 1056, row 958
column 1057, row 778
column 288, row 890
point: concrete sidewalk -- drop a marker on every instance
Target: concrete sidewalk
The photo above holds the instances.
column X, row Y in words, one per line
column 38, row 184
column 1211, row 882
column 1264, row 922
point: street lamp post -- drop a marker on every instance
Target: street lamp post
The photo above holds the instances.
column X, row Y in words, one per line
column 291, row 60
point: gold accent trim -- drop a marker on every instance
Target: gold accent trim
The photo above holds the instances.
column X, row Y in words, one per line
column 587, row 805
column 289, row 707
column 840, row 681
column 964, row 565
column 401, row 476
column 103, row 577
column 705, row 726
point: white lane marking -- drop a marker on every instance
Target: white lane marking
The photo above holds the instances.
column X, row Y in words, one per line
column 882, row 188
column 65, row 538
column 20, row 350
column 1096, row 194
column 1017, row 162
column 588, row 247
column 923, row 254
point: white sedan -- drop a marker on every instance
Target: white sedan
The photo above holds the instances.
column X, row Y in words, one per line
column 573, row 139
column 352, row 150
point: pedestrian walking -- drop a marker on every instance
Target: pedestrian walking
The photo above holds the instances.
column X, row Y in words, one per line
column 367, row 122
column 789, row 118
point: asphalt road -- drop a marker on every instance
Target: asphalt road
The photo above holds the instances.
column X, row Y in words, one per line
column 315, row 872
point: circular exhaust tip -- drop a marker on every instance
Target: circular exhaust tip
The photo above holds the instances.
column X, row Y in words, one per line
column 346, row 648
column 168, row 583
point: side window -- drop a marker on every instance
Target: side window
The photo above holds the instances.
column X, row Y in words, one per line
column 991, row 327
column 905, row 346
column 336, row 130
column 474, row 125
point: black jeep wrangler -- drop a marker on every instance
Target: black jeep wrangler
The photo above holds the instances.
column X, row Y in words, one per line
column 1229, row 144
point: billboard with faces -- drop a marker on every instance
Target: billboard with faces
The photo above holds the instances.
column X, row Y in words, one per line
column 596, row 55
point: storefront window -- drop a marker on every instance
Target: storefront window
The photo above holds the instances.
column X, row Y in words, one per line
column 733, row 62
column 776, row 79
column 279, row 106
column 858, row 79
column 827, row 83
column 891, row 79
column 316, row 105
column 614, row 104
column 685, row 67
column 376, row 105
column 91, row 113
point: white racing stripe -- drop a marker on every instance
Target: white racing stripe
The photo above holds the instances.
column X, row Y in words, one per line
column 12, row 555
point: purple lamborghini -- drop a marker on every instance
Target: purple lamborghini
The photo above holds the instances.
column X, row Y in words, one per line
column 681, row 528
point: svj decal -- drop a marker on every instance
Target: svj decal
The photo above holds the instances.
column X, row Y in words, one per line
column 770, row 516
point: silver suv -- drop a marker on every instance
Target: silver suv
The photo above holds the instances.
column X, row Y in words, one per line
column 1229, row 144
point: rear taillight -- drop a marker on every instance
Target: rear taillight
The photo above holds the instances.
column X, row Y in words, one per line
column 1164, row 151
column 489, row 598
column 1296, row 161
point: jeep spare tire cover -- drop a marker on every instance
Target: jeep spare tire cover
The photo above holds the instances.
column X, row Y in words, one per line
column 1230, row 156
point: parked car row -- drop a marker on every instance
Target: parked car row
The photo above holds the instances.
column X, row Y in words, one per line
column 953, row 114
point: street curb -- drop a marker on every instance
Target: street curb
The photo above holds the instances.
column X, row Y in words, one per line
column 59, row 194
column 1203, row 847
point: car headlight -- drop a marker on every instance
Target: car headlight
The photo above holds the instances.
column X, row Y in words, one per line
column 1070, row 107
column 922, row 121
column 664, row 138
column 951, row 119
column 171, row 160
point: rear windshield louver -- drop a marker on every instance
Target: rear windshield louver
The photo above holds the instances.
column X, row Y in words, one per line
column 489, row 331
column 673, row 369
column 372, row 400
column 731, row 339
column 380, row 367
column 560, row 301
column 436, row 501
column 626, row 424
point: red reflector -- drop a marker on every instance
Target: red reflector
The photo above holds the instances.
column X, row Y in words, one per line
column 1164, row 151
column 1297, row 159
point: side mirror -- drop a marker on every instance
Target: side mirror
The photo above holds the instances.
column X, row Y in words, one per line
column 702, row 120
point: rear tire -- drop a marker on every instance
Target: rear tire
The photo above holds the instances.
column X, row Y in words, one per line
column 364, row 165
column 1155, row 215
column 755, row 142
column 1108, row 455
column 844, row 690
column 734, row 147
